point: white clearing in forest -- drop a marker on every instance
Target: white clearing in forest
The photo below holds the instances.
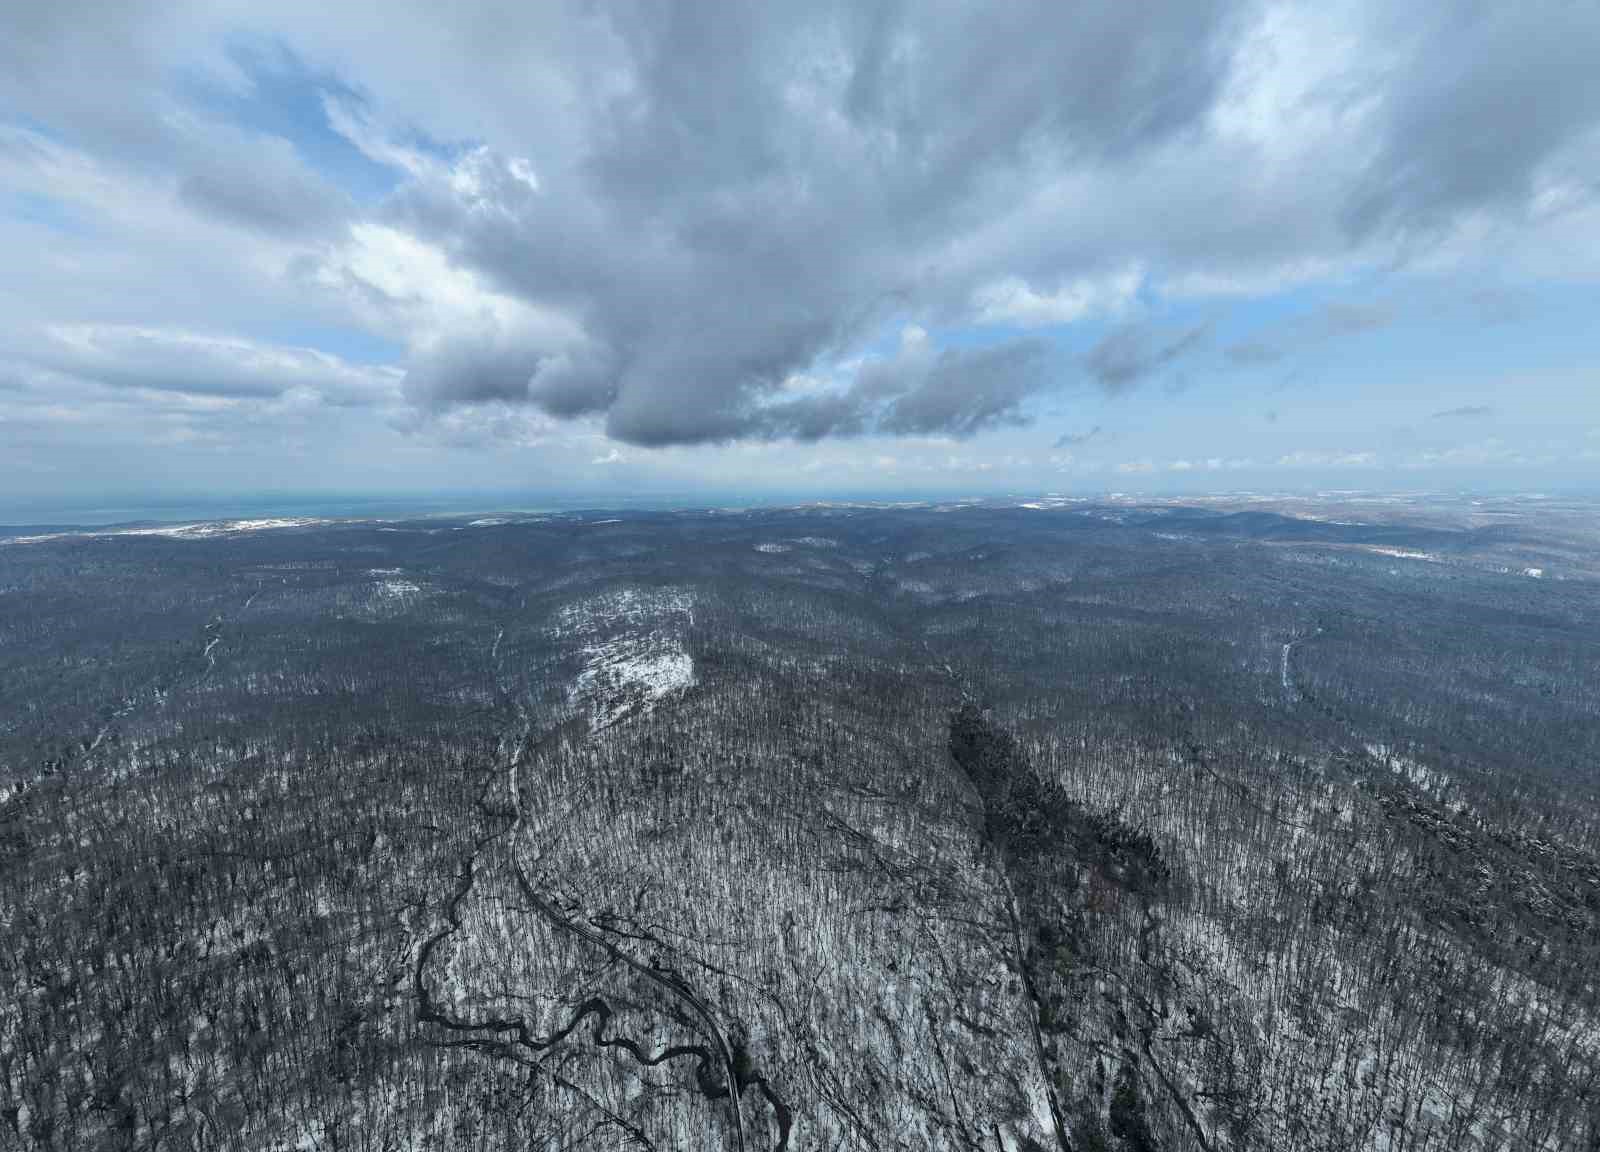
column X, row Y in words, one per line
column 630, row 673
column 631, row 642
column 1402, row 553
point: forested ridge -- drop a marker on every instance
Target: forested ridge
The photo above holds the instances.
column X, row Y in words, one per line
column 1072, row 826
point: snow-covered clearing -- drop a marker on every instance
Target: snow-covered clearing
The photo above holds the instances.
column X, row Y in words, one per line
column 632, row 647
column 394, row 589
column 1401, row 553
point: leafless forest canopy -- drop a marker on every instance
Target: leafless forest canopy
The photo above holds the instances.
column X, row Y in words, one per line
column 1061, row 826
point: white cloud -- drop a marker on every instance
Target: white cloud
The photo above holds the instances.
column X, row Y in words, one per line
column 355, row 125
column 1013, row 300
column 412, row 290
column 684, row 242
column 207, row 365
column 1305, row 458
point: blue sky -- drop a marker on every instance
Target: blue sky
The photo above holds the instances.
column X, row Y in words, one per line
column 623, row 250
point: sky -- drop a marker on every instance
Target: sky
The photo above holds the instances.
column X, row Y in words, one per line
column 633, row 248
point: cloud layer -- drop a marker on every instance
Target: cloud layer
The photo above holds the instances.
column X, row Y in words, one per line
column 676, row 224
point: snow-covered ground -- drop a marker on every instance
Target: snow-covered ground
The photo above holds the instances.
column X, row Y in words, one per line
column 632, row 645
column 623, row 607
column 1428, row 779
column 397, row 588
column 1401, row 553
column 217, row 527
column 630, row 672
column 1045, row 503
column 204, row 530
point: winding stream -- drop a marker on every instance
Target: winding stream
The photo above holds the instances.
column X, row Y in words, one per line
column 713, row 1063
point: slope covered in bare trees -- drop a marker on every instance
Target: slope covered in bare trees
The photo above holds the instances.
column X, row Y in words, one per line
column 1067, row 826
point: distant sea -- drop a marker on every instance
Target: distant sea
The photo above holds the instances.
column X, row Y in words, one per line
column 88, row 513
column 250, row 507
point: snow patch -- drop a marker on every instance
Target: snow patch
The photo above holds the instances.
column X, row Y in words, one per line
column 198, row 531
column 1402, row 553
column 628, row 674
column 633, row 652
column 217, row 528
column 624, row 607
column 1413, row 771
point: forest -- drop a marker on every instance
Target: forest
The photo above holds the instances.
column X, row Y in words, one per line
column 1003, row 825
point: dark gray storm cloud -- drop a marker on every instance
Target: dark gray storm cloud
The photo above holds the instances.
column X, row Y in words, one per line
column 966, row 391
column 471, row 370
column 687, row 221
column 775, row 182
column 1074, row 439
column 1483, row 95
column 955, row 392
column 1131, row 353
